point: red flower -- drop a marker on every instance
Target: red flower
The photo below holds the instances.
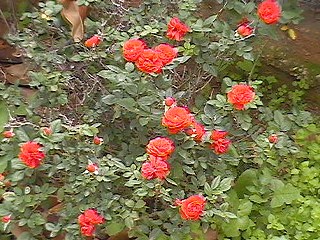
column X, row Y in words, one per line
column 198, row 131
column 166, row 53
column 31, row 154
column 221, row 145
column 160, row 147
column 217, row 134
column 169, row 101
column 176, row 29
column 2, row 177
column 269, row 11
column 88, row 220
column 93, row 41
column 149, row 61
column 240, row 95
column 47, row 131
column 273, row 138
column 155, row 168
column 97, row 140
column 6, row 219
column 132, row 49
column 8, row 134
column 92, row 167
column 177, row 119
column 87, row 230
column 192, row 208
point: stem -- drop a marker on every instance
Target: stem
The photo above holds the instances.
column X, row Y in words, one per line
column 255, row 63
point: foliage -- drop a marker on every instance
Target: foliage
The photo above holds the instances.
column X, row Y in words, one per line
column 87, row 92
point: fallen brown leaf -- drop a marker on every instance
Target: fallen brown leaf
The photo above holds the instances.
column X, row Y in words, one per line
column 75, row 16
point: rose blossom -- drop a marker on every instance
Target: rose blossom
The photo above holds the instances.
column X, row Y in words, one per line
column 88, row 220
column 6, row 219
column 155, row 167
column 166, row 53
column 198, row 131
column 160, row 147
column 93, row 41
column 92, row 167
column 221, row 145
column 176, row 29
column 132, row 49
column 269, row 11
column 149, row 61
column 240, row 95
column 31, row 154
column 191, row 208
column 177, row 119
column 217, row 134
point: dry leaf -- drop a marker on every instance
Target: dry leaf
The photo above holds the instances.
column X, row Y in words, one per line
column 284, row 28
column 71, row 12
column 292, row 34
column 16, row 73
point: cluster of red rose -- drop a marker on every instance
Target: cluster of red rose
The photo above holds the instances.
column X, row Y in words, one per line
column 269, row 11
column 159, row 151
column 88, row 221
column 153, row 60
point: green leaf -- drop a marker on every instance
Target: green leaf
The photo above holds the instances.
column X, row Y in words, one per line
column 127, row 103
column 26, row 236
column 247, row 178
column 188, row 170
column 114, row 228
column 210, row 20
column 22, row 135
column 285, row 194
column 55, row 126
column 129, row 66
column 4, row 115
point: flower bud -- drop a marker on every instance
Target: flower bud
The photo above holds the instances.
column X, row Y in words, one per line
column 97, row 140
column 6, row 219
column 273, row 138
column 169, row 101
column 8, row 134
column 47, row 131
column 92, row 167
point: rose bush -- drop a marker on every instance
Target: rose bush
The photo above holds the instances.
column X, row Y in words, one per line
column 125, row 142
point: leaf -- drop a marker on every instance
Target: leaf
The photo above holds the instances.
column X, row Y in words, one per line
column 210, row 20
column 188, row 170
column 247, row 178
column 4, row 115
column 114, row 228
column 71, row 12
column 292, row 34
column 285, row 194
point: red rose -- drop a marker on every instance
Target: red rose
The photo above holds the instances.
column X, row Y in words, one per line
column 176, row 29
column 88, row 220
column 169, row 101
column 217, row 134
column 240, row 95
column 221, row 145
column 8, row 134
column 149, row 61
column 177, row 119
column 192, row 208
column 166, row 53
column 6, row 219
column 155, row 168
column 160, row 147
column 93, row 41
column 269, row 11
column 132, row 49
column 31, row 154
column 87, row 230
column 197, row 131
column 273, row 138
column 97, row 140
